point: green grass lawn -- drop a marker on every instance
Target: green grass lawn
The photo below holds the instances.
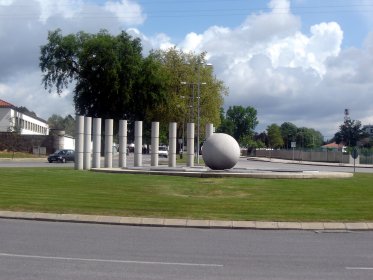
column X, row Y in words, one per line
column 63, row 190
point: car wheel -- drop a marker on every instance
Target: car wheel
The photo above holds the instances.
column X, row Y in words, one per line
column 63, row 160
column 50, row 161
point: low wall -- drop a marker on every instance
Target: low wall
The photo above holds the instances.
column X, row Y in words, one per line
column 299, row 155
column 26, row 143
column 36, row 144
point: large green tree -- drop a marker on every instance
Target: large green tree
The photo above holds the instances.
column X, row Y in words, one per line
column 111, row 78
column 274, row 136
column 63, row 123
column 189, row 77
column 241, row 122
column 288, row 133
column 350, row 132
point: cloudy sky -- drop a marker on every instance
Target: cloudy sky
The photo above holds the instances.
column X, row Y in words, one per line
column 302, row 61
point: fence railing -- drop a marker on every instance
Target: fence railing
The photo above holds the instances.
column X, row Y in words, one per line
column 317, row 155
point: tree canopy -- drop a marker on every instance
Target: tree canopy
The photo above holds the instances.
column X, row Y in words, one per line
column 63, row 123
column 350, row 132
column 189, row 76
column 111, row 78
column 240, row 122
column 274, row 136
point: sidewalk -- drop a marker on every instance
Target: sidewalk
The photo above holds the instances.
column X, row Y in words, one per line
column 188, row 223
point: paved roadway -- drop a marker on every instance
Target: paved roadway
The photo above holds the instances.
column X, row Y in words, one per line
column 52, row 251
column 243, row 163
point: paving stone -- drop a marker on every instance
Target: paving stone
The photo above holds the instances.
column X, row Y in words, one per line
column 175, row 222
column 109, row 219
column 370, row 225
column 198, row 223
column 88, row 218
column 289, row 225
column 6, row 214
column 337, row 226
column 67, row 217
column 357, row 226
column 266, row 225
column 152, row 221
column 220, row 224
column 244, row 224
column 26, row 215
column 47, row 216
column 131, row 220
column 312, row 226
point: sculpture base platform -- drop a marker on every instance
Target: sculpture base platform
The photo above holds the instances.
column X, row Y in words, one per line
column 204, row 172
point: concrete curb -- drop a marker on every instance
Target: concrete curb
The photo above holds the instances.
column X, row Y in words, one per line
column 188, row 223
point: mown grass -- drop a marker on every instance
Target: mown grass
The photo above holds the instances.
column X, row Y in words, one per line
column 63, row 190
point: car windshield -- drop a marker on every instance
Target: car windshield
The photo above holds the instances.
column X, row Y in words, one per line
column 162, row 148
column 60, row 152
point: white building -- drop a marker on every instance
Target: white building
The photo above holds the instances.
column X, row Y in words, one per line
column 11, row 119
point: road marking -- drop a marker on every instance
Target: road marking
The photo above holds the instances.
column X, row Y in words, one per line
column 359, row 268
column 107, row 261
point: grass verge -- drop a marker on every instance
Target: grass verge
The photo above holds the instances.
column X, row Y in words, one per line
column 63, row 190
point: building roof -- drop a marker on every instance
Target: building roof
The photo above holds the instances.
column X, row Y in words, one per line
column 333, row 146
column 4, row 104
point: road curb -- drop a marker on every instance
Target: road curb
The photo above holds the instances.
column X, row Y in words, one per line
column 187, row 223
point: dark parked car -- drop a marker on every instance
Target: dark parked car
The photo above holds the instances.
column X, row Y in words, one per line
column 62, row 156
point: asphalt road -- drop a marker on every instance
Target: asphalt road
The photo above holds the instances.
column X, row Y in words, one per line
column 242, row 163
column 46, row 250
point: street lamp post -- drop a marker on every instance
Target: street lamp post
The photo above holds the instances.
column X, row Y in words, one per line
column 199, row 83
column 199, row 104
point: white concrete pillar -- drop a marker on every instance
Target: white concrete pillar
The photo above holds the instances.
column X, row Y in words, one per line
column 122, row 143
column 172, row 145
column 109, row 143
column 87, row 143
column 209, row 130
column 138, row 144
column 96, row 137
column 190, row 144
column 155, row 144
column 79, row 142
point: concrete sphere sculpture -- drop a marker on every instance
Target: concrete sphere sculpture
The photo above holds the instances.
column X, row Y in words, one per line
column 220, row 151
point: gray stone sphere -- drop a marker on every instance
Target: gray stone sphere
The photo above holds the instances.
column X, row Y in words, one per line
column 220, row 151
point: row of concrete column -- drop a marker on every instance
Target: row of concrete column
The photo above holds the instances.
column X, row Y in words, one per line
column 87, row 157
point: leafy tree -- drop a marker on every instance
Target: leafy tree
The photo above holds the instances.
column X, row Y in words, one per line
column 288, row 133
column 350, row 132
column 308, row 138
column 67, row 124
column 274, row 136
column 186, row 73
column 226, row 125
column 111, row 78
column 14, row 130
column 261, row 138
column 243, row 121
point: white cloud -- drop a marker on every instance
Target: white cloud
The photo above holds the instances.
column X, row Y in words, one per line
column 267, row 62
column 65, row 8
column 26, row 90
column 127, row 11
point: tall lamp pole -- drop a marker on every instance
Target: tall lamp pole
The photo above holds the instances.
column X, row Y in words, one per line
column 199, row 104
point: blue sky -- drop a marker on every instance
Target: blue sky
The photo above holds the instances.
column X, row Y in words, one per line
column 301, row 61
